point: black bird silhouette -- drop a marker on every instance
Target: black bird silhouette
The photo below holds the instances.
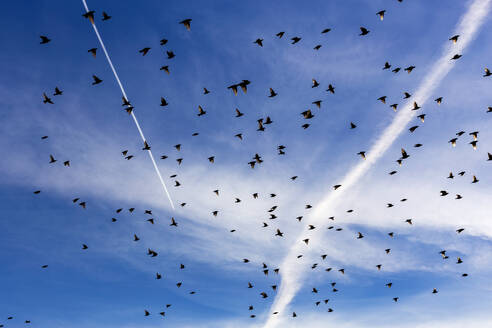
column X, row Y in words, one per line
column 187, row 23
column 363, row 31
column 144, row 51
column 105, row 16
column 44, row 39
column 96, row 80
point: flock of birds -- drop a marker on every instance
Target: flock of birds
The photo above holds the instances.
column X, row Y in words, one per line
column 257, row 160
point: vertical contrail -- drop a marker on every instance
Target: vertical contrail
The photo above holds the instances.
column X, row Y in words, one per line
column 292, row 273
column 131, row 113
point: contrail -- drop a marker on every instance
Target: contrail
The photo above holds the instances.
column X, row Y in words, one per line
column 292, row 273
column 131, row 113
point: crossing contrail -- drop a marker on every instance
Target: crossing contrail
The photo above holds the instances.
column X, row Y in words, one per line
column 292, row 273
column 131, row 113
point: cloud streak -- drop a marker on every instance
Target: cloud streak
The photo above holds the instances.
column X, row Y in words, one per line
column 292, row 274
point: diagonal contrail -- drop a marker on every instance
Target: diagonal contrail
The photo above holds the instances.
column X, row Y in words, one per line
column 292, row 274
column 131, row 113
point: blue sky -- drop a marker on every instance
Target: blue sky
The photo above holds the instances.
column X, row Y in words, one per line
column 113, row 282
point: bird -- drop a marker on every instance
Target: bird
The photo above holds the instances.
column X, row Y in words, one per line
column 363, row 31
column 44, row 39
column 96, row 80
column 105, row 16
column 317, row 47
column 206, row 91
column 326, row 30
column 238, row 113
column 474, row 134
column 352, row 125
column 146, row 146
column 415, row 106
column 144, row 51
column 454, row 38
column 52, row 159
column 474, row 144
column 362, row 154
column 317, row 103
column 46, row 99
column 438, row 100
column 406, row 95
column 396, row 70
column 170, row 54
column 89, row 15
column 382, row 99
column 187, row 23
column 295, row 40
column 201, row 111
column 165, row 69
column 487, row 72
column 331, row 89
column 58, row 92
column 409, row 69
column 93, row 52
column 84, row 246
column 386, row 65
column 259, row 42
column 163, row 102
column 279, row 233
column 272, row 93
column 456, row 56
column 381, row 14
column 280, row 34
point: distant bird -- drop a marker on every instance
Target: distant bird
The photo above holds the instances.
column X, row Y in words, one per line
column 259, row 42
column 186, row 23
column 105, row 16
column 326, row 30
column 89, row 15
column 280, row 34
column 144, row 51
column 352, row 125
column 96, row 80
column 331, row 89
column 456, row 57
column 387, row 65
column 58, row 92
column 163, row 102
column 295, row 40
column 396, row 70
column 454, row 38
column 382, row 99
column 487, row 72
column 170, row 54
column 146, row 146
column 201, row 111
column 165, row 69
column 438, row 100
column 205, row 91
column 381, row 14
column 363, row 31
column 409, row 69
column 93, row 52
column 272, row 93
column 163, row 42
column 52, row 159
column 46, row 99
column 44, row 39
column 315, row 83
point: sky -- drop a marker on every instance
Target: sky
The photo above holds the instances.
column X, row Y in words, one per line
column 113, row 282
